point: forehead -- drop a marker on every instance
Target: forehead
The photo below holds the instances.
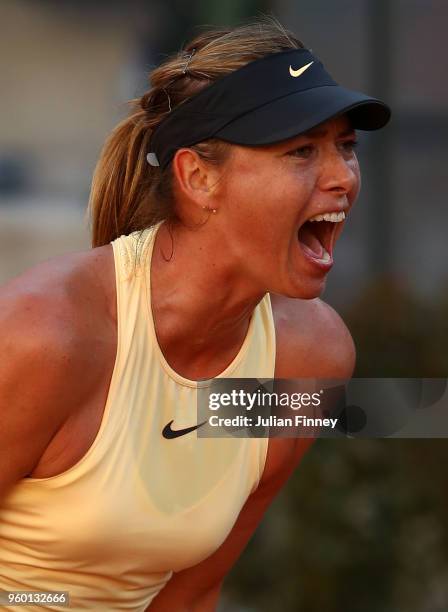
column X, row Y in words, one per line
column 335, row 127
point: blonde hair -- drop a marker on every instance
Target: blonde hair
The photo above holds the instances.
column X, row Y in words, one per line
column 127, row 193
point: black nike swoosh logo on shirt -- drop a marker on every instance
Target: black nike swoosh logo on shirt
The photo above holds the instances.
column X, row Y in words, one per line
column 175, row 433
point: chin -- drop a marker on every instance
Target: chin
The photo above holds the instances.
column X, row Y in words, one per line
column 306, row 291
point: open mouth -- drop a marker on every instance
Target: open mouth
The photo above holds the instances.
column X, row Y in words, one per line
column 316, row 237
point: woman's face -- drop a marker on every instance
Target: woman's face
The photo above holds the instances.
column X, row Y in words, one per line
column 270, row 195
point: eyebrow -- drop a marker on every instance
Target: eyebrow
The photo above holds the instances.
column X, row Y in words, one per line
column 319, row 132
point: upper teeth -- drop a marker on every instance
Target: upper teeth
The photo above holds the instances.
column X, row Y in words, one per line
column 335, row 217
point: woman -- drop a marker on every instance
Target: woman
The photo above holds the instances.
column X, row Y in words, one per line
column 215, row 207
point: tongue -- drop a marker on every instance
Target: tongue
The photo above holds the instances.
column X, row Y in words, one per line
column 310, row 242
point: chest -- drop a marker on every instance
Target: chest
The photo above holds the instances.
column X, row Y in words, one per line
column 78, row 433
column 165, row 503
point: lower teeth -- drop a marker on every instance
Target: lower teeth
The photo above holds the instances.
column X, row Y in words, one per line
column 325, row 257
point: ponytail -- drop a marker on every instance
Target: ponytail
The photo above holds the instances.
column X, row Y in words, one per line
column 119, row 200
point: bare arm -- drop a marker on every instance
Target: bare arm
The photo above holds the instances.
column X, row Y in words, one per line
column 41, row 360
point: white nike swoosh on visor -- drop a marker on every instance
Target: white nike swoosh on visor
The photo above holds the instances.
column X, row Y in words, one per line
column 299, row 71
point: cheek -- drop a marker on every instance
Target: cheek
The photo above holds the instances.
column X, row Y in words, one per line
column 354, row 192
column 270, row 197
column 254, row 195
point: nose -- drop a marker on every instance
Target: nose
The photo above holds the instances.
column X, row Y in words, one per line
column 339, row 174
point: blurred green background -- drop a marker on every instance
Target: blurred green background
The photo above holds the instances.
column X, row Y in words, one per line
column 362, row 524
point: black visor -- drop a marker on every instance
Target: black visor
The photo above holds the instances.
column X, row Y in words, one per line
column 268, row 100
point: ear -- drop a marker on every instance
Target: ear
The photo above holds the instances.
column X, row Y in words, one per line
column 195, row 179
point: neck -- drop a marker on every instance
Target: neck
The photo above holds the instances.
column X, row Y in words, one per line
column 201, row 301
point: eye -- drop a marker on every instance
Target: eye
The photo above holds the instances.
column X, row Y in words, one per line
column 350, row 145
column 303, row 151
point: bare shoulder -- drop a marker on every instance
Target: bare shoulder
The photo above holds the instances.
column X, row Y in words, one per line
column 62, row 277
column 55, row 320
column 312, row 340
column 55, row 306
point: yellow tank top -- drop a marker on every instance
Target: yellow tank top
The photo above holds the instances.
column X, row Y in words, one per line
column 137, row 506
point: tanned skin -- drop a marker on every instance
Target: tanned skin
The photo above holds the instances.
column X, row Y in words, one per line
column 58, row 326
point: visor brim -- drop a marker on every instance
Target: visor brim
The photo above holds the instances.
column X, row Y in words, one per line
column 301, row 111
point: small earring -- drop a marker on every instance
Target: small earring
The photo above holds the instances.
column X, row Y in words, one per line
column 213, row 210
